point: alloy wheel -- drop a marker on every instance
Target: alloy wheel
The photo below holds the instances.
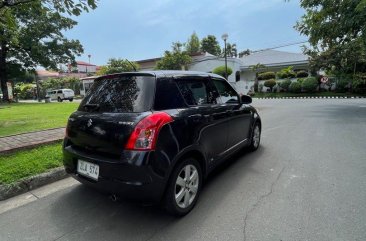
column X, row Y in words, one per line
column 186, row 186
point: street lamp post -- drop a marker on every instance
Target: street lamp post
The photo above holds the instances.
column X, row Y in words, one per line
column 225, row 37
column 89, row 55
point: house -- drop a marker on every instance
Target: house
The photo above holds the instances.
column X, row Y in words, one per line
column 243, row 76
column 82, row 67
column 45, row 74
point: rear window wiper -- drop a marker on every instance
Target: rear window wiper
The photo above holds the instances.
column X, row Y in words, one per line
column 91, row 106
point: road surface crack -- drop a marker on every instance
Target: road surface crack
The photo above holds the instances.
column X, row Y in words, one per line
column 262, row 197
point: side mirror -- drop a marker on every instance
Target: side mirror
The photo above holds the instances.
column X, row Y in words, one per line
column 246, row 99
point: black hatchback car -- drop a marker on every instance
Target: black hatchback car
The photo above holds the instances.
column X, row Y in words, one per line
column 155, row 136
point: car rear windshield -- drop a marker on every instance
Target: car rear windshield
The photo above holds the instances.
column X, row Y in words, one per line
column 121, row 93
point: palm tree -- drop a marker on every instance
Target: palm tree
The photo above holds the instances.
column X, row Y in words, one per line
column 255, row 69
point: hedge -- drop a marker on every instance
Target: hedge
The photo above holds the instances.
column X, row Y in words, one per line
column 309, row 84
column 266, row 76
column 295, row 87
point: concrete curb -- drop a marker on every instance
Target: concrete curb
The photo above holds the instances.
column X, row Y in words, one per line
column 313, row 97
column 9, row 151
column 30, row 183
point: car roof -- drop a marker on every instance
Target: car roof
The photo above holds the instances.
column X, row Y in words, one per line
column 170, row 73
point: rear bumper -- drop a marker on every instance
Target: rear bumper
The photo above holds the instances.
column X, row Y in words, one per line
column 129, row 177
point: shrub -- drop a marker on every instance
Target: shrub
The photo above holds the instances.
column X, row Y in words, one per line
column 309, row 84
column 24, row 91
column 221, row 71
column 302, row 74
column 359, row 84
column 300, row 80
column 342, row 85
column 285, row 84
column 270, row 83
column 266, row 76
column 286, row 73
column 295, row 87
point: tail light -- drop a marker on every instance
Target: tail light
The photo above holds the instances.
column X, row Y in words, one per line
column 146, row 131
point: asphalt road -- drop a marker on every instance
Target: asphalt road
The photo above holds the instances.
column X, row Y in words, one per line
column 306, row 182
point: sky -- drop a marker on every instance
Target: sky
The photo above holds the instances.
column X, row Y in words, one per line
column 144, row 29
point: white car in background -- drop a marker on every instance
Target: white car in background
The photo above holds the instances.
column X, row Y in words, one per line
column 61, row 95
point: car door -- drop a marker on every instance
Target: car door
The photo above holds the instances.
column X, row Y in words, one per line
column 206, row 119
column 239, row 114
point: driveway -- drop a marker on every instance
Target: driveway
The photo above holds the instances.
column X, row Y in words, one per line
column 306, row 182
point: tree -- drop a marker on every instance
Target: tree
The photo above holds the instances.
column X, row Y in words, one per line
column 31, row 35
column 64, row 6
column 231, row 51
column 175, row 59
column 221, row 71
column 337, row 34
column 210, row 45
column 193, row 44
column 244, row 53
column 255, row 69
column 270, row 84
column 118, row 66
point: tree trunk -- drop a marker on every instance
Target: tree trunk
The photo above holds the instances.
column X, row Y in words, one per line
column 3, row 75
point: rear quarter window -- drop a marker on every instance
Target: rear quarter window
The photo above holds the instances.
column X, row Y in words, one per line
column 167, row 95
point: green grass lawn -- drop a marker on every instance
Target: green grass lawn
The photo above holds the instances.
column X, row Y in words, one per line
column 286, row 94
column 26, row 163
column 18, row 118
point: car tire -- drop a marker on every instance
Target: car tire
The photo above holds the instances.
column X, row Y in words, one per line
column 71, row 99
column 183, row 188
column 256, row 137
column 59, row 99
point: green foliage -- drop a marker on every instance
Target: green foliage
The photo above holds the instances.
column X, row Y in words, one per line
column 266, row 75
column 302, row 74
column 359, row 83
column 270, row 83
column 244, row 53
column 193, row 44
column 342, row 85
column 286, row 73
column 33, row 32
column 26, row 163
column 24, row 90
column 25, row 117
column 221, row 71
column 300, row 80
column 285, row 84
column 309, row 84
column 118, row 66
column 210, row 45
column 175, row 59
column 70, row 7
column 231, row 51
column 337, row 34
column 295, row 87
column 59, row 83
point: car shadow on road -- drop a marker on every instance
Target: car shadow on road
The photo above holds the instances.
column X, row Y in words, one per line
column 84, row 214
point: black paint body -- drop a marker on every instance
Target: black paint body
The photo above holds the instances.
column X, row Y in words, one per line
column 210, row 133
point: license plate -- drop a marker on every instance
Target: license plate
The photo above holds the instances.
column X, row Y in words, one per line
column 88, row 169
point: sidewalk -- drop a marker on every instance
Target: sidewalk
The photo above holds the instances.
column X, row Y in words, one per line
column 10, row 143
